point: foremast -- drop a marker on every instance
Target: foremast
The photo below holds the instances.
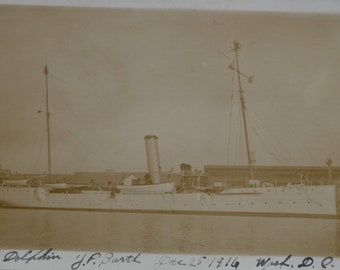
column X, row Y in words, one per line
column 236, row 49
column 48, row 127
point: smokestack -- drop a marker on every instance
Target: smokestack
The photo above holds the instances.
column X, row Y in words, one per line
column 152, row 157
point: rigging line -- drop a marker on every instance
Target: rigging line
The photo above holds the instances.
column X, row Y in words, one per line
column 252, row 138
column 284, row 148
column 271, row 133
column 292, row 130
column 233, row 139
column 271, row 154
column 237, row 136
column 232, row 33
column 293, row 133
column 56, row 78
column 265, row 142
column 240, row 145
column 230, row 118
column 243, row 135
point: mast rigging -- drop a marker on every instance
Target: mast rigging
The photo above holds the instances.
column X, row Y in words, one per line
column 236, row 49
column 48, row 126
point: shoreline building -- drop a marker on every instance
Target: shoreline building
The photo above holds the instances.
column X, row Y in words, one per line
column 277, row 175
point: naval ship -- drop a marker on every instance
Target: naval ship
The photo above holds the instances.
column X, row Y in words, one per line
column 192, row 195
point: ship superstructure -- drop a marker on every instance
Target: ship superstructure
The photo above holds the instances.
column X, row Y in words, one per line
column 192, row 195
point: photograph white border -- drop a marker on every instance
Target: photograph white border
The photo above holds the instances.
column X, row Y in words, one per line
column 287, row 6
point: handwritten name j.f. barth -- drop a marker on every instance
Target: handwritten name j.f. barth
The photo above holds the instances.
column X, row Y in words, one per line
column 30, row 255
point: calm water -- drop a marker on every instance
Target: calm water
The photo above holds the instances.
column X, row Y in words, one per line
column 162, row 233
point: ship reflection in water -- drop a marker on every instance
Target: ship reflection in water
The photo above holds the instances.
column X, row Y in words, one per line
column 162, row 233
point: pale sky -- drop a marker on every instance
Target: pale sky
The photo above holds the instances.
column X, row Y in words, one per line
column 118, row 75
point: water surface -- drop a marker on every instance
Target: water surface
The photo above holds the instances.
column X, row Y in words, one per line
column 167, row 233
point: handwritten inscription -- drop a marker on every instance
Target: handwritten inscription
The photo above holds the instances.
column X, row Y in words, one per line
column 212, row 263
column 109, row 260
column 171, row 261
column 30, row 255
column 100, row 259
column 306, row 263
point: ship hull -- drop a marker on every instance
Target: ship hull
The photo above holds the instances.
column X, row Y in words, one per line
column 278, row 201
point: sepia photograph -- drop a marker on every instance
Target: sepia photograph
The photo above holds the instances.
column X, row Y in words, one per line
column 175, row 131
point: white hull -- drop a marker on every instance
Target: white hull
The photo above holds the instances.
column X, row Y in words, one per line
column 293, row 200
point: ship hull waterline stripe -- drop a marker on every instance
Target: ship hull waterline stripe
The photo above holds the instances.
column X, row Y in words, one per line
column 183, row 212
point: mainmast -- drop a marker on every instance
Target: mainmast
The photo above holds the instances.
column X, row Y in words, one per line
column 48, row 126
column 236, row 49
